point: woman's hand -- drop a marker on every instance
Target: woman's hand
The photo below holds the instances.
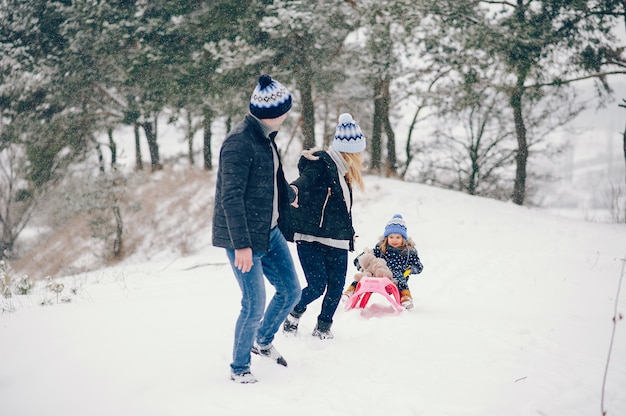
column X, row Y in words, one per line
column 295, row 201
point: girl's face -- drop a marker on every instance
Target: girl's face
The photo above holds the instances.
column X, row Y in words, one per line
column 395, row 240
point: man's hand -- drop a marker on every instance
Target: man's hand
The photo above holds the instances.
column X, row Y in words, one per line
column 243, row 259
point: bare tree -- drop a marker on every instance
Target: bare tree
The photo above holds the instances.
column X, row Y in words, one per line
column 105, row 198
column 475, row 146
column 545, row 44
column 17, row 201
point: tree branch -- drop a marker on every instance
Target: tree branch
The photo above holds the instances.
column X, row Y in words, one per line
column 569, row 81
column 504, row 3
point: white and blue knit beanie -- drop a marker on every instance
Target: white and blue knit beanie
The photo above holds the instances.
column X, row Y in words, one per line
column 270, row 98
column 396, row 225
column 348, row 135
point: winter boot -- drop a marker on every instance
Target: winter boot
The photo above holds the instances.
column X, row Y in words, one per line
column 268, row 351
column 406, row 299
column 243, row 378
column 348, row 293
column 290, row 326
column 322, row 330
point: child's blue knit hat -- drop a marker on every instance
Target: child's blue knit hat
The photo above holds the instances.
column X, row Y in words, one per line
column 270, row 98
column 396, row 225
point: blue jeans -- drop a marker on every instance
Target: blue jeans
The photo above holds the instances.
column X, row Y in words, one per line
column 325, row 270
column 255, row 321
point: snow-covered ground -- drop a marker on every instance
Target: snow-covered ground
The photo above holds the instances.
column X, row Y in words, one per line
column 514, row 316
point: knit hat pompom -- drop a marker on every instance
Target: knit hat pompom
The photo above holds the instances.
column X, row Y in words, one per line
column 346, row 118
column 396, row 225
column 348, row 136
column 264, row 81
column 270, row 98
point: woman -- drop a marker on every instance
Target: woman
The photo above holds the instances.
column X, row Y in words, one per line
column 322, row 221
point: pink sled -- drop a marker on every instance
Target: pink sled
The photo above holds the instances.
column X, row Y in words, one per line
column 369, row 285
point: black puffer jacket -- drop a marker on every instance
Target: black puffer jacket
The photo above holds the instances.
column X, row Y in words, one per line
column 245, row 189
column 322, row 208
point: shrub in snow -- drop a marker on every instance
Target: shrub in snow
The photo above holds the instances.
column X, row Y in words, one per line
column 10, row 285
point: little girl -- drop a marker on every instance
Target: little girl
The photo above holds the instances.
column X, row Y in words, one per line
column 401, row 256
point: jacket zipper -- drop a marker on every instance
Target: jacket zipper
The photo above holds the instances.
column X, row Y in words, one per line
column 324, row 206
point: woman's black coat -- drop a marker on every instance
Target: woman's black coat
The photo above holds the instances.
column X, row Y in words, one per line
column 321, row 208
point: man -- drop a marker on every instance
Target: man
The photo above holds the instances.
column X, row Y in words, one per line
column 251, row 221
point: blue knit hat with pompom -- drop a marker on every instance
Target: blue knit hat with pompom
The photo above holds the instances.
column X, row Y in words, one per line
column 396, row 225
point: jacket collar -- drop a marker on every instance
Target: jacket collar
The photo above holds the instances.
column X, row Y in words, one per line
column 263, row 128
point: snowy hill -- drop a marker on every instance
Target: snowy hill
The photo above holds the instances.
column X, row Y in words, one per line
column 513, row 316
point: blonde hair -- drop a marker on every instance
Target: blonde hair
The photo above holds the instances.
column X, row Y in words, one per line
column 355, row 166
column 406, row 243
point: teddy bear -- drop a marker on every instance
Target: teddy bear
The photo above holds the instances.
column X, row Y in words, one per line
column 372, row 266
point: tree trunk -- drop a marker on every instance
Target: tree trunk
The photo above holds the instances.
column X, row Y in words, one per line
column 624, row 143
column 190, row 132
column 305, row 87
column 153, row 147
column 8, row 240
column 229, row 124
column 113, row 147
column 329, row 126
column 206, row 147
column 407, row 149
column 624, row 135
column 6, row 248
column 376, row 149
column 119, row 229
column 519, row 189
column 138, row 161
column 100, row 158
column 392, row 160
column 473, row 176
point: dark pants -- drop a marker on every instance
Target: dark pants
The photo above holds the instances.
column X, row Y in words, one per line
column 325, row 270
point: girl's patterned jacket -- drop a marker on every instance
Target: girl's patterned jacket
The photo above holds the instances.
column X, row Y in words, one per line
column 401, row 261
